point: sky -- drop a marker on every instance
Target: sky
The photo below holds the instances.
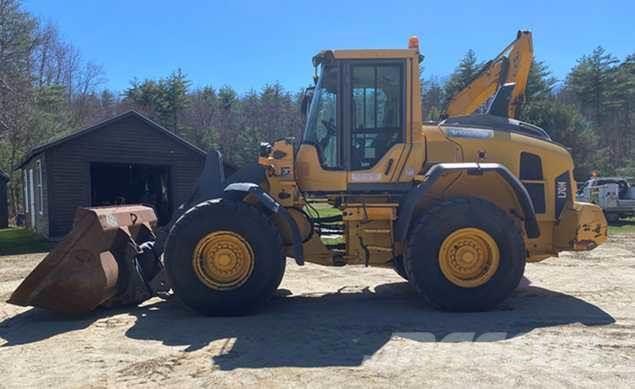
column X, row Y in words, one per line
column 247, row 44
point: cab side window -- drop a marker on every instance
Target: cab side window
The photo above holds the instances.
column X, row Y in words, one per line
column 322, row 125
column 377, row 112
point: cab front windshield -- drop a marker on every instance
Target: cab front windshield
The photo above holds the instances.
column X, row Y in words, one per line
column 321, row 127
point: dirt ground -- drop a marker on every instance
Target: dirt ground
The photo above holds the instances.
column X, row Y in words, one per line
column 571, row 323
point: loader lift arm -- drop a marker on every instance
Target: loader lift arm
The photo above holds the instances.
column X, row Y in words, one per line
column 512, row 65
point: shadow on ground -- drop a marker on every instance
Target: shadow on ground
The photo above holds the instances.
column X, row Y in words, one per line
column 338, row 329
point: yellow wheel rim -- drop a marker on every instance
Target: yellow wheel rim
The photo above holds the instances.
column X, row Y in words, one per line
column 223, row 260
column 469, row 257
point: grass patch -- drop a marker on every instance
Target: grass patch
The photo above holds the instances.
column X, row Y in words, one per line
column 333, row 241
column 324, row 210
column 624, row 226
column 15, row 241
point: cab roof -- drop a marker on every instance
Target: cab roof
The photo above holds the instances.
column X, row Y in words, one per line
column 327, row 56
column 375, row 53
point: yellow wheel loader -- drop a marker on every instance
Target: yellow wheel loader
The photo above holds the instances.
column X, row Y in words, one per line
column 457, row 208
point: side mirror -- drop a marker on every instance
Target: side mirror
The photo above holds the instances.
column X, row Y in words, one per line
column 307, row 97
column 265, row 149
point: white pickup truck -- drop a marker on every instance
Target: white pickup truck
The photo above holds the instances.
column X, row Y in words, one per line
column 614, row 195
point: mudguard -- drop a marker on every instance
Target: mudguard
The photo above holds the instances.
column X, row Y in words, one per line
column 212, row 184
column 409, row 202
column 243, row 191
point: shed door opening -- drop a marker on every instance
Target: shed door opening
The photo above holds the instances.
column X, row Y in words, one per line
column 123, row 183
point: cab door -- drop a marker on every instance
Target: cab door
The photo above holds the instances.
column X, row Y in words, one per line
column 374, row 139
column 356, row 137
column 319, row 162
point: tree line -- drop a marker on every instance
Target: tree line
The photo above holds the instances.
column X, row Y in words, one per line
column 47, row 89
column 218, row 118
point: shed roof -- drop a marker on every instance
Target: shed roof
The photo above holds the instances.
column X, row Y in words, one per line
column 152, row 124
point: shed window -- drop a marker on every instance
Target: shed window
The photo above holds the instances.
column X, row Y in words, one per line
column 26, row 191
column 39, row 192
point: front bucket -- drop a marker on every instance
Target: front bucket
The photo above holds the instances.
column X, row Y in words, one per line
column 83, row 271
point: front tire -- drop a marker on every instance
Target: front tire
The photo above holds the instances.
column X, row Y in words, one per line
column 465, row 254
column 224, row 258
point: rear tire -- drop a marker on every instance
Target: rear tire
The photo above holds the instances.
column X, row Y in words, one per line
column 250, row 227
column 428, row 255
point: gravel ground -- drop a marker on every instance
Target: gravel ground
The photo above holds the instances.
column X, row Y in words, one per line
column 570, row 323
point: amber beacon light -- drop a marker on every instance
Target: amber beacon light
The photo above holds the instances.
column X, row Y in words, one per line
column 413, row 42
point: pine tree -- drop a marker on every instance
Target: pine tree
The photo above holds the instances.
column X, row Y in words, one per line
column 540, row 82
column 228, row 105
column 432, row 99
column 466, row 71
column 591, row 81
column 174, row 99
column 144, row 96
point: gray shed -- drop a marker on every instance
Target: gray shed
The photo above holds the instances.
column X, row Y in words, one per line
column 128, row 159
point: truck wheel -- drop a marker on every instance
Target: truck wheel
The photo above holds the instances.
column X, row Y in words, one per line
column 397, row 265
column 612, row 217
column 465, row 254
column 224, row 258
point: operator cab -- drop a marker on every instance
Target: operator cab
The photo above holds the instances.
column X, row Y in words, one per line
column 375, row 94
column 359, row 117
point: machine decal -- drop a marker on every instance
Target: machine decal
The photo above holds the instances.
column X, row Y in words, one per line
column 476, row 133
column 365, row 177
column 563, row 192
